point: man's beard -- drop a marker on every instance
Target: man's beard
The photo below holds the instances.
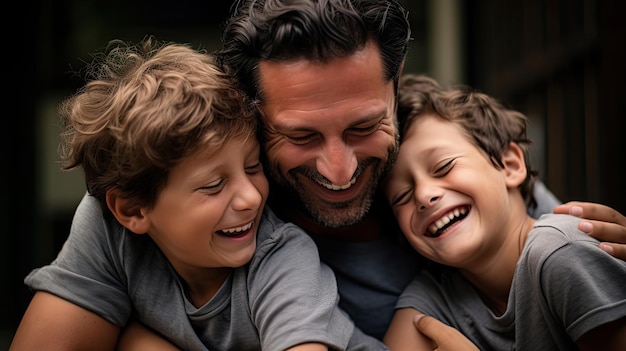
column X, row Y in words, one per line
column 335, row 214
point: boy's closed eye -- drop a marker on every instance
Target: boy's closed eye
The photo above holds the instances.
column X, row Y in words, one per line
column 445, row 167
column 401, row 198
column 215, row 186
column 254, row 168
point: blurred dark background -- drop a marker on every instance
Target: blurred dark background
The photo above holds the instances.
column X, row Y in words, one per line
column 560, row 62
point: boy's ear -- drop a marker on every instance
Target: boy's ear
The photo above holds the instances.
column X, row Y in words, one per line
column 129, row 214
column 514, row 165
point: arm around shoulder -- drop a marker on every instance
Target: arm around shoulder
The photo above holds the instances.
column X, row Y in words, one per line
column 601, row 222
column 52, row 323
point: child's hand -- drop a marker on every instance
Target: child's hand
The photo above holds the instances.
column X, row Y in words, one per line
column 443, row 336
column 601, row 222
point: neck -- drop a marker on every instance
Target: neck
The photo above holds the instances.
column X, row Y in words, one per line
column 203, row 284
column 493, row 277
column 371, row 227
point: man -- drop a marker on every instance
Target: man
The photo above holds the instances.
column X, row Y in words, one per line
column 325, row 75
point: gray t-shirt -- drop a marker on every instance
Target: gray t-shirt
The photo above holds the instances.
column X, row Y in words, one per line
column 563, row 287
column 283, row 297
column 372, row 274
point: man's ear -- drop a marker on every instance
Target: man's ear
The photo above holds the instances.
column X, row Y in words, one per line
column 514, row 165
column 129, row 214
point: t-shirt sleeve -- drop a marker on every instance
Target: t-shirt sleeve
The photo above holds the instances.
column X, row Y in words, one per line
column 585, row 286
column 87, row 270
column 293, row 296
column 429, row 295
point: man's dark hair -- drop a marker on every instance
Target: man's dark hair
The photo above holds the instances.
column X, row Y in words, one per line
column 318, row 30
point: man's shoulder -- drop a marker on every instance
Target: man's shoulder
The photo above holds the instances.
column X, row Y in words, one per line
column 274, row 228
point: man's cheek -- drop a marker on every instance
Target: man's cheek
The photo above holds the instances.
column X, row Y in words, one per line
column 276, row 150
column 389, row 127
column 270, row 141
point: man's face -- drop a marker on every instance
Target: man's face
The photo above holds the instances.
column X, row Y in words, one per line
column 330, row 133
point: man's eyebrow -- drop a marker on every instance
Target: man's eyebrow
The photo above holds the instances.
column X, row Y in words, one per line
column 285, row 125
column 373, row 116
column 376, row 115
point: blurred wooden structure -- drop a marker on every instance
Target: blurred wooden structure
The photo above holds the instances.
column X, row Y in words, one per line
column 562, row 63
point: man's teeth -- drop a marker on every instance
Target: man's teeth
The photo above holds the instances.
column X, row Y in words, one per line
column 338, row 187
column 436, row 228
column 238, row 229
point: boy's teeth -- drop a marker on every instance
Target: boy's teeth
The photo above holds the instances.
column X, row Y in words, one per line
column 435, row 229
column 238, row 229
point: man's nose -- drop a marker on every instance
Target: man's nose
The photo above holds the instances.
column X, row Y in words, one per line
column 337, row 162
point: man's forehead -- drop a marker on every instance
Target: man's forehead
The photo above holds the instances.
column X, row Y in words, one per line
column 364, row 63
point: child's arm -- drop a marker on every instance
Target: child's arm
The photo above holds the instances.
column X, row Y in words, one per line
column 610, row 336
column 602, row 222
column 410, row 330
column 136, row 336
column 442, row 335
column 402, row 335
column 52, row 323
column 309, row 347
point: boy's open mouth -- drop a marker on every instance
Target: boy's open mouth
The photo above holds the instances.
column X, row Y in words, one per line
column 442, row 224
